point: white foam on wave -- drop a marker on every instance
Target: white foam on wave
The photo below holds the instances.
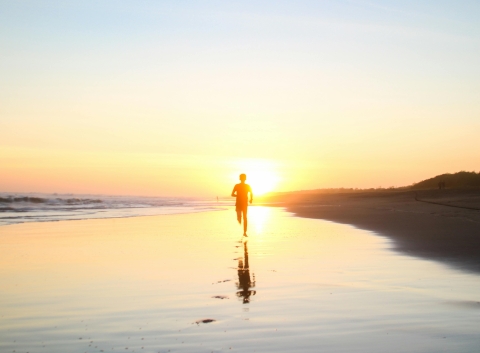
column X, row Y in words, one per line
column 20, row 208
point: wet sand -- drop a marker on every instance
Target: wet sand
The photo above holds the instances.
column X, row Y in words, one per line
column 443, row 225
column 191, row 283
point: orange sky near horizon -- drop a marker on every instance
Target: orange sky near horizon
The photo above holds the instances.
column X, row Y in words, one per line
column 170, row 99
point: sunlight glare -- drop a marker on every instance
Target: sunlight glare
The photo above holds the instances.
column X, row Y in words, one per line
column 261, row 175
column 258, row 216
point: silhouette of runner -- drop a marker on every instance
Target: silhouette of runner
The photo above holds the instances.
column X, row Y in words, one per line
column 240, row 191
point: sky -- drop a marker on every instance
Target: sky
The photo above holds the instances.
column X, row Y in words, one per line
column 176, row 98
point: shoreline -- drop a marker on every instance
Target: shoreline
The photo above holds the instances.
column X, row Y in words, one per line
column 145, row 283
column 444, row 227
column 27, row 221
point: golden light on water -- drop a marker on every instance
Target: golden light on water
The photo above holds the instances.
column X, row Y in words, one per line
column 258, row 217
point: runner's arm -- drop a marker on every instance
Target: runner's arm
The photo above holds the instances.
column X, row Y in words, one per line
column 234, row 191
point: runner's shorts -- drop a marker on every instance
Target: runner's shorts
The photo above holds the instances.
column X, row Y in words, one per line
column 241, row 207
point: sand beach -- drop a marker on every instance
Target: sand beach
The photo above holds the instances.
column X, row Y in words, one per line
column 436, row 224
column 191, row 283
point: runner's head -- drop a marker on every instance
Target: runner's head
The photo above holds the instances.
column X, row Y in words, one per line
column 243, row 177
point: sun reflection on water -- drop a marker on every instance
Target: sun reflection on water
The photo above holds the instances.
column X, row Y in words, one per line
column 258, row 218
column 144, row 282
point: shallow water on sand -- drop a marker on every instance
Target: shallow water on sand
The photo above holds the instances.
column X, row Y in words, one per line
column 190, row 283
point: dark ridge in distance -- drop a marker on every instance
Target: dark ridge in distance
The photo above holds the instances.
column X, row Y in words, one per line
column 460, row 180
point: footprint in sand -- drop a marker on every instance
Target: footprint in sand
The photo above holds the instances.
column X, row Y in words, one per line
column 225, row 280
column 204, row 321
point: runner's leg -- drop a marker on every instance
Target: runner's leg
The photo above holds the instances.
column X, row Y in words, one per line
column 245, row 220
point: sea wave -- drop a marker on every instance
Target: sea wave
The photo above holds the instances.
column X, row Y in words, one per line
column 50, row 201
column 20, row 208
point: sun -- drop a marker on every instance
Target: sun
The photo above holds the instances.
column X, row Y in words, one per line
column 262, row 181
column 261, row 175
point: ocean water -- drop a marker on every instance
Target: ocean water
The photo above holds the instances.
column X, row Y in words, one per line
column 192, row 283
column 34, row 207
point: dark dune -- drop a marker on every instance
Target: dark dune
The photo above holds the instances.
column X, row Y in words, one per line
column 455, row 181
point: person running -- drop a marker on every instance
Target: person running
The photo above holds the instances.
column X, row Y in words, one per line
column 240, row 191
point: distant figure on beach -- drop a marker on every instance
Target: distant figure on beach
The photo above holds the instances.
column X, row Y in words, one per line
column 441, row 185
column 240, row 191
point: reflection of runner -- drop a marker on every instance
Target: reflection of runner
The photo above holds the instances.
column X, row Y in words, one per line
column 240, row 191
column 244, row 281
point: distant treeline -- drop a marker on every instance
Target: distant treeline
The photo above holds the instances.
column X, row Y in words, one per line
column 457, row 180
